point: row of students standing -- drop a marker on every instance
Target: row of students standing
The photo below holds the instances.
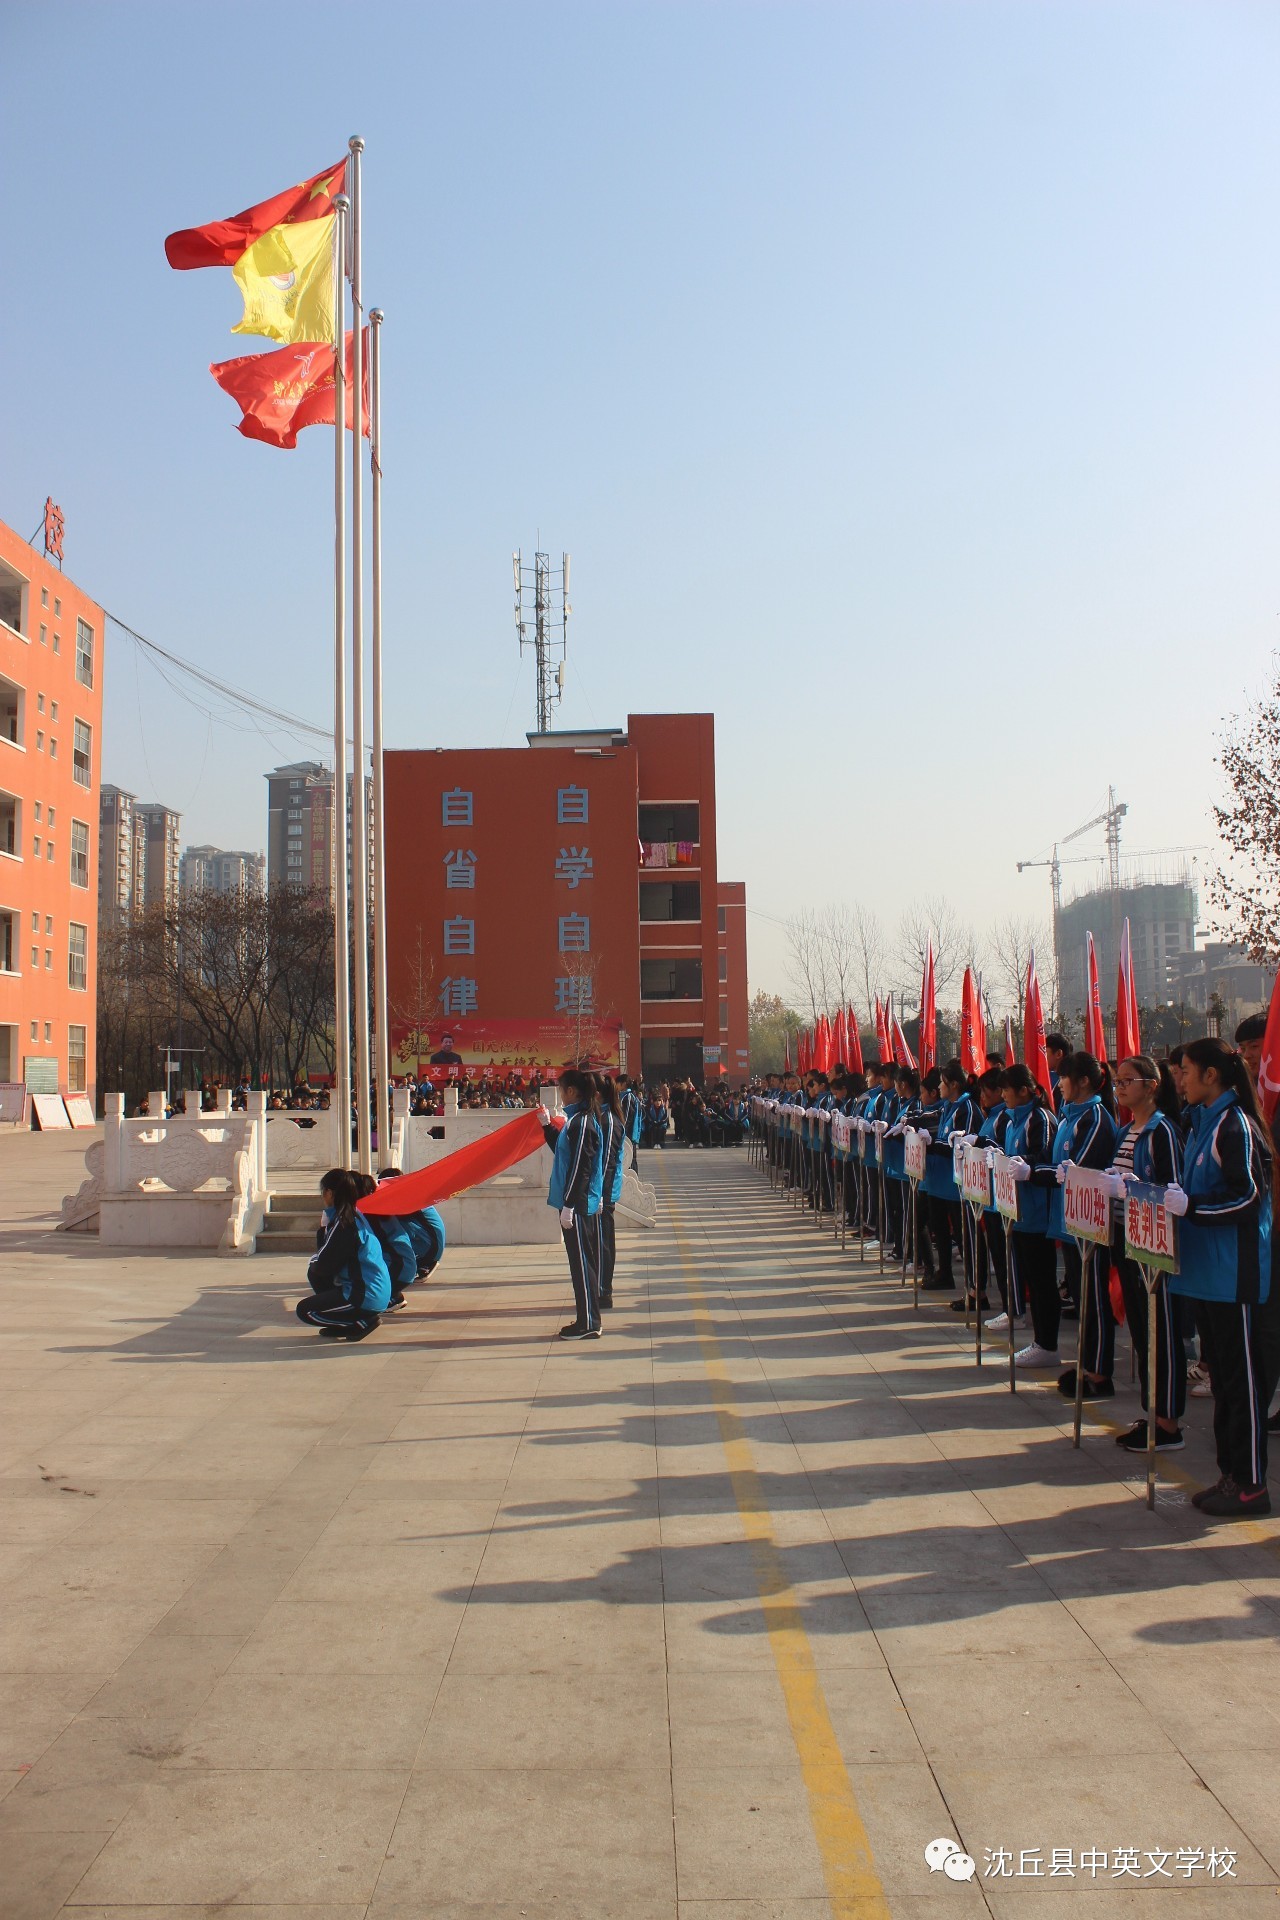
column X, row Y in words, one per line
column 1206, row 1140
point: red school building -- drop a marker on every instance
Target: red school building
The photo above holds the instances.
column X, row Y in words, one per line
column 562, row 900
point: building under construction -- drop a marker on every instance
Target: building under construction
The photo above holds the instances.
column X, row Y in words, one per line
column 1162, row 924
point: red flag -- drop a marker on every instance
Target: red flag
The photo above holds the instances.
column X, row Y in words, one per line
column 492, row 1153
column 840, row 1039
column 282, row 392
column 222, row 242
column 824, row 1061
column 1269, row 1065
column 855, row 1043
column 1010, row 1052
column 1128, row 1039
column 928, row 1016
column 786, row 1054
column 1095, row 1034
column 884, row 1041
column 969, row 1026
column 980, row 1053
column 901, row 1051
column 1034, row 1051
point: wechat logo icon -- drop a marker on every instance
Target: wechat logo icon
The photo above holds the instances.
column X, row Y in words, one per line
column 944, row 1856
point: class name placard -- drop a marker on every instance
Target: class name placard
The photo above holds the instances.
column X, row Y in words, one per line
column 1004, row 1188
column 915, row 1154
column 1150, row 1234
column 1086, row 1205
column 975, row 1177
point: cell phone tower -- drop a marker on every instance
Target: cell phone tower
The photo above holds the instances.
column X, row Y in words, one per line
column 549, row 639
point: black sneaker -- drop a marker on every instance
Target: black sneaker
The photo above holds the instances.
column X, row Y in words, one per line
column 1223, row 1485
column 966, row 1306
column 576, row 1331
column 1093, row 1389
column 332, row 1333
column 1134, row 1439
column 354, row 1333
column 395, row 1303
column 934, row 1283
column 1232, row 1502
column 606, row 1301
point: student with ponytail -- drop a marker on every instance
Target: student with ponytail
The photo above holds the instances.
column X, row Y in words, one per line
column 1150, row 1149
column 1224, row 1266
column 575, row 1191
column 348, row 1275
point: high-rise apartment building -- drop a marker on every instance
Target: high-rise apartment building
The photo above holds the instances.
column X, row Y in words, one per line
column 300, row 826
column 214, row 870
column 50, row 743
column 141, row 859
column 159, row 830
column 1162, row 924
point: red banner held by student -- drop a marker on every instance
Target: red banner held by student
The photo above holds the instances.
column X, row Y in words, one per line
column 854, row 1061
column 1035, row 1053
column 1095, row 1034
column 928, row 1015
column 480, row 1160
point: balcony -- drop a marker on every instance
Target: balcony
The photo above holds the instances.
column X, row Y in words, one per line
column 670, row 853
column 670, row 979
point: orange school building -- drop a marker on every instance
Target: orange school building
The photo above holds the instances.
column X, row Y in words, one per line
column 569, row 881
column 51, row 640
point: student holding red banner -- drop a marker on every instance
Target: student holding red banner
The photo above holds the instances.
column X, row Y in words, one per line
column 1150, row 1148
column 575, row 1190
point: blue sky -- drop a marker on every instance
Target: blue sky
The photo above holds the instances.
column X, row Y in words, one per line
column 903, row 379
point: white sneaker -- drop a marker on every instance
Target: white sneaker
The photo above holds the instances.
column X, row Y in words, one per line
column 1034, row 1356
column 1198, row 1383
column 1001, row 1323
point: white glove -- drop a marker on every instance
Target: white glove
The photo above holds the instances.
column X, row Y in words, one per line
column 1060, row 1173
column 1118, row 1185
column 544, row 1114
column 1019, row 1170
column 566, row 1217
column 1175, row 1200
column 896, row 1132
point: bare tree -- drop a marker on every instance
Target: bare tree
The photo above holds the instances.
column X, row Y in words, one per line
column 870, row 956
column 1013, row 940
column 808, row 962
column 1245, row 890
column 837, row 932
column 932, row 919
column 592, row 1036
column 413, row 1011
column 300, row 1006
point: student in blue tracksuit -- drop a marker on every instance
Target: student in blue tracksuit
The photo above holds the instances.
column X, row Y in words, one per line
column 1028, row 1140
column 960, row 1114
column 1086, row 1137
column 1225, row 1264
column 575, row 1191
column 425, row 1228
column 397, row 1247
column 632, row 1115
column 938, row 1186
column 612, row 1129
column 350, row 1284
column 991, row 1243
column 906, row 1085
column 1150, row 1148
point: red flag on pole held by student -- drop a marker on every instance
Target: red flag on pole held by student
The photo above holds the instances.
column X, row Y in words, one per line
column 282, row 392
column 1128, row 1042
column 972, row 1057
column 480, row 1160
column 1269, row 1064
column 825, row 1043
column 786, row 1054
column 855, row 1043
column 840, row 1039
column 928, row 1015
column 1010, row 1051
column 1095, row 1034
column 1034, row 1051
column 884, row 1042
column 901, row 1051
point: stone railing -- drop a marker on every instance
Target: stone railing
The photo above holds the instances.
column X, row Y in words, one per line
column 193, row 1180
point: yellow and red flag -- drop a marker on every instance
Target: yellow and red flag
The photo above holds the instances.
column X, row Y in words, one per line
column 280, row 393
column 281, row 256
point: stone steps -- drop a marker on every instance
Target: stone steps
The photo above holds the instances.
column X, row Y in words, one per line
column 289, row 1225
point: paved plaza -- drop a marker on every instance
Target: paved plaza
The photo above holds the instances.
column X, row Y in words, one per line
column 726, row 1616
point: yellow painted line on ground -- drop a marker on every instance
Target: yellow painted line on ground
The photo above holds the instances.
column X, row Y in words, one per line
column 853, row 1886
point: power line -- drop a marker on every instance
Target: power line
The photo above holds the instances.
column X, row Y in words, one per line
column 236, row 695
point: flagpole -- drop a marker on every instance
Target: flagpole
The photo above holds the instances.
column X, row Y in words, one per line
column 341, row 965
column 359, row 816
column 382, row 1031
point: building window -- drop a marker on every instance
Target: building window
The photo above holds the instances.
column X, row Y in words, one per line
column 57, row 643
column 57, row 607
column 35, row 1031
column 78, row 958
column 82, row 756
column 52, row 815
column 77, row 1059
column 35, row 923
column 48, row 922
column 724, row 968
column 44, row 601
column 53, row 709
column 39, row 703
column 9, row 937
column 724, row 1015
column 48, row 849
column 79, row 853
column 53, row 749
column 84, row 653
column 48, row 1031
column 670, row 900
column 671, row 979
column 48, row 959
column 722, row 922
column 44, row 636
column 37, row 845
column 35, row 808
column 39, row 741
column 668, row 821
column 35, row 959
